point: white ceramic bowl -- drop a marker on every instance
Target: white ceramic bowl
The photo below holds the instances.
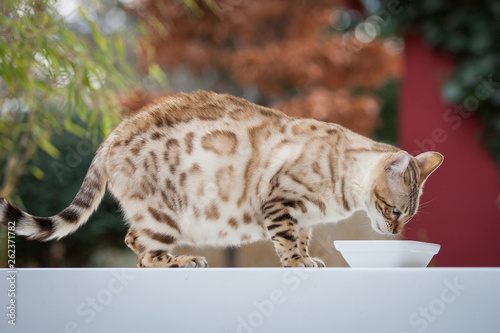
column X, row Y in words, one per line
column 387, row 253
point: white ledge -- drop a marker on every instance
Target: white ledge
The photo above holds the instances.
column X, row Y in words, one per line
column 252, row 300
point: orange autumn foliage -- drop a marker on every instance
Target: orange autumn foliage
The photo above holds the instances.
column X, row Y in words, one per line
column 285, row 48
column 360, row 113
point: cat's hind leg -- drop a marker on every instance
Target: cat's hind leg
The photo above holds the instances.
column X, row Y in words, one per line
column 154, row 250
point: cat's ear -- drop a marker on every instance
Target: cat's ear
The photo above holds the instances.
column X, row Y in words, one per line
column 395, row 166
column 397, row 163
column 427, row 163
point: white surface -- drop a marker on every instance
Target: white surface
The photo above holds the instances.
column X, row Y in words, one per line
column 387, row 253
column 254, row 300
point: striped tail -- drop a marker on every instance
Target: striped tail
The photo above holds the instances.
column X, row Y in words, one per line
column 71, row 218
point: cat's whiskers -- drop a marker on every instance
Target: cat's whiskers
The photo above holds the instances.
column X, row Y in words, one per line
column 426, row 203
column 409, row 220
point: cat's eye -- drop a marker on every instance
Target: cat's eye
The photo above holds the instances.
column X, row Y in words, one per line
column 396, row 211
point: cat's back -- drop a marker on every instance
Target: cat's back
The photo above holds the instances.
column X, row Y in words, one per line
column 203, row 126
column 217, row 123
column 198, row 131
column 195, row 108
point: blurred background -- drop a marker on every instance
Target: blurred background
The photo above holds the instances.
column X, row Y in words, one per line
column 421, row 75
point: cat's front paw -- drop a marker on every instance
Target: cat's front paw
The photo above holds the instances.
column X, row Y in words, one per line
column 190, row 262
column 303, row 262
column 319, row 262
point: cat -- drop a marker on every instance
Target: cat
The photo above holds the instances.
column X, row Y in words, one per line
column 212, row 169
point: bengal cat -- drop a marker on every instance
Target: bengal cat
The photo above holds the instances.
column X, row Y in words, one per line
column 212, row 169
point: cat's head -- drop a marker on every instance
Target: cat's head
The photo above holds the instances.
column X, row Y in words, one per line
column 395, row 195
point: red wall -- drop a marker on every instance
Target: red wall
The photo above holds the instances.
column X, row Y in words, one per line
column 457, row 209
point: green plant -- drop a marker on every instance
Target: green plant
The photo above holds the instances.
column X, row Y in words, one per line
column 467, row 30
column 51, row 75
